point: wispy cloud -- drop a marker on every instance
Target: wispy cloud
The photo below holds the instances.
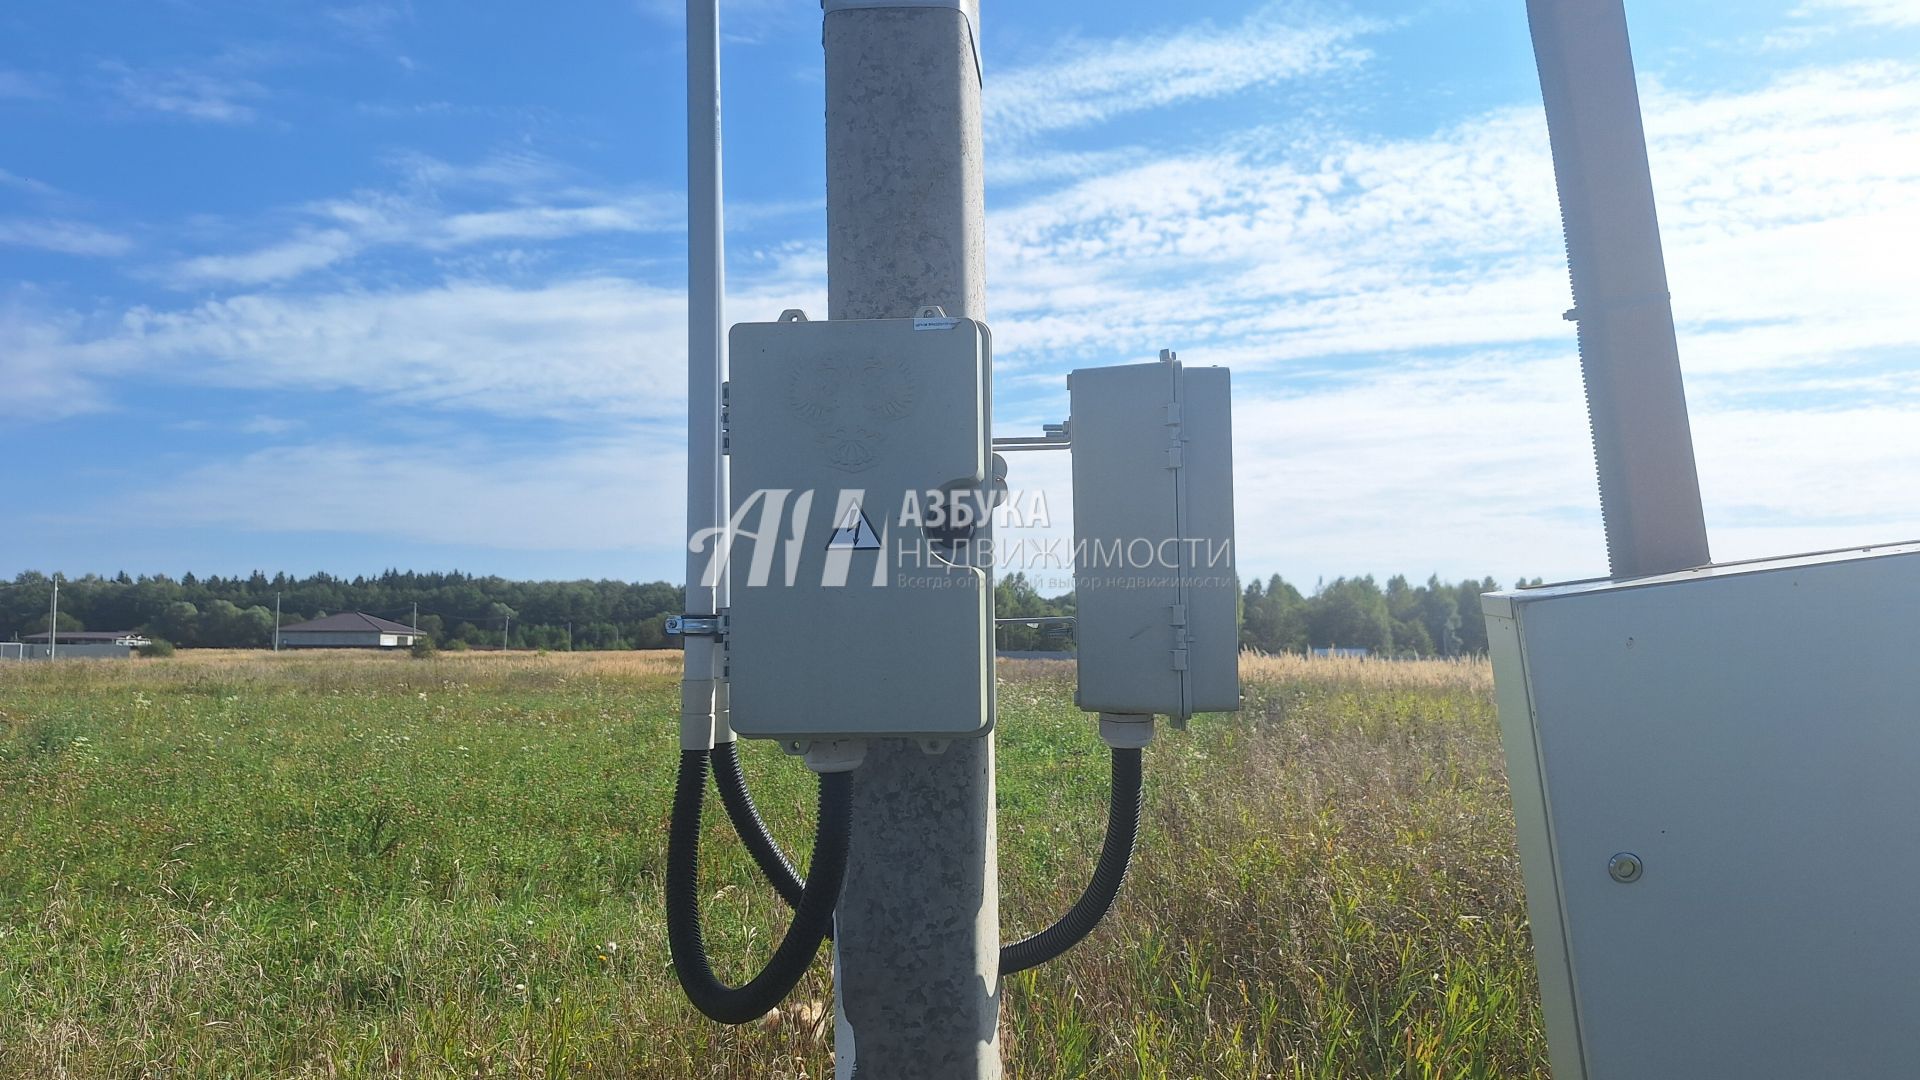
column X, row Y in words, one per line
column 24, row 86
column 29, row 185
column 1869, row 12
column 64, row 237
column 1079, row 85
column 1392, row 307
column 1347, row 246
column 47, row 365
column 313, row 249
column 531, row 200
column 205, row 96
column 568, row 494
column 370, row 23
column 263, row 424
column 595, row 346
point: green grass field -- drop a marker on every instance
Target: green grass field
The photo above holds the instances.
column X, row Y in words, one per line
column 241, row 865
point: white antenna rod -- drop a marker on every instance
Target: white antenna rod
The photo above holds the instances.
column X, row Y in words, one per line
column 706, row 287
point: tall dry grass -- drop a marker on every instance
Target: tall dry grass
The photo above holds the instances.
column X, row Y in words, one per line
column 330, row 865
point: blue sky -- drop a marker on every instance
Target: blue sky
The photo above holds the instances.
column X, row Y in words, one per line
column 346, row 287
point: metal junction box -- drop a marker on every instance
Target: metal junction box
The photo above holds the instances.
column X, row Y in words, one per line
column 1157, row 600
column 1716, row 776
column 856, row 607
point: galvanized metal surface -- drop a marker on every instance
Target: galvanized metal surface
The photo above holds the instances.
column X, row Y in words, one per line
column 1713, row 780
column 706, row 368
column 1642, row 442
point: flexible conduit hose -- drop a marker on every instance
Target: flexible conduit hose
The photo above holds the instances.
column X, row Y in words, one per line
column 1116, row 855
column 812, row 917
column 746, row 821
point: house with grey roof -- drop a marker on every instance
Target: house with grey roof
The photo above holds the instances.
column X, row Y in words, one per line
column 349, row 630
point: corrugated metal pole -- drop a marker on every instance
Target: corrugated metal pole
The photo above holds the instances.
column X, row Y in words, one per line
column 1642, row 443
column 919, row 917
column 706, row 285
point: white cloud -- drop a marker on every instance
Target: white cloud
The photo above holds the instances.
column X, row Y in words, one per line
column 531, row 201
column 370, row 24
column 1396, row 303
column 1088, row 83
column 65, row 237
column 643, row 214
column 270, row 425
column 1788, row 205
column 588, row 347
column 617, row 493
column 196, row 95
column 28, row 184
column 48, row 369
column 311, row 250
column 1870, row 12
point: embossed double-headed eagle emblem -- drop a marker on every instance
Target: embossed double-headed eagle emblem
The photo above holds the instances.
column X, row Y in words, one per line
column 852, row 404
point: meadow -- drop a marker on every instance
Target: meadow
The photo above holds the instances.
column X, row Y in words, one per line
column 250, row 865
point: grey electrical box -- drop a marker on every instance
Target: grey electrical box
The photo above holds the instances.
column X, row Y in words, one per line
column 859, row 458
column 1716, row 778
column 1154, row 586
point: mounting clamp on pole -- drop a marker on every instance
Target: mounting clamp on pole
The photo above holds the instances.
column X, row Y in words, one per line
column 968, row 9
column 713, row 626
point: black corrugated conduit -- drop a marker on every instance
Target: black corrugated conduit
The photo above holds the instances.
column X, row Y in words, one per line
column 1116, row 855
column 746, row 821
column 812, row 917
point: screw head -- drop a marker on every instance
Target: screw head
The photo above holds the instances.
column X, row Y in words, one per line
column 1625, row 867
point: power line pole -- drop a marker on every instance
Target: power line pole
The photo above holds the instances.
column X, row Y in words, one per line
column 276, row 622
column 1642, row 441
column 53, row 622
column 919, row 919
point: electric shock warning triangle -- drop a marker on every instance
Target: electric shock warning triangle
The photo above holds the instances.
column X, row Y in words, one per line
column 854, row 533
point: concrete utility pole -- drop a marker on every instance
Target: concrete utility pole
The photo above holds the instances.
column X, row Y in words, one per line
column 276, row 622
column 1642, row 443
column 53, row 622
column 919, row 919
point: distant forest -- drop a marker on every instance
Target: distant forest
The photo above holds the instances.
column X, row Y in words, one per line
column 463, row 611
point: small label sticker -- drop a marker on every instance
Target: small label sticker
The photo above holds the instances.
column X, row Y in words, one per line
column 854, row 533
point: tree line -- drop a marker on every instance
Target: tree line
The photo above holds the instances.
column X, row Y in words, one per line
column 1437, row 619
column 459, row 610
column 455, row 609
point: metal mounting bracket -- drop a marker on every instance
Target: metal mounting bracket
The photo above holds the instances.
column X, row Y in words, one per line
column 713, row 626
column 1058, row 437
column 933, row 317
